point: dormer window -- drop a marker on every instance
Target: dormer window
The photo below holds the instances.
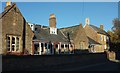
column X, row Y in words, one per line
column 53, row 31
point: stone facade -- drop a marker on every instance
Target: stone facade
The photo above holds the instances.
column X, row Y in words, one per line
column 52, row 21
column 101, row 38
column 17, row 36
column 90, row 32
column 29, row 37
column 80, row 39
column 15, row 31
column 89, row 37
column 0, row 35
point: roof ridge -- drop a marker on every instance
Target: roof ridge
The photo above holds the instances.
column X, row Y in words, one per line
column 98, row 28
column 69, row 27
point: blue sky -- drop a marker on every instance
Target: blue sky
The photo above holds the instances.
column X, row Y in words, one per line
column 69, row 13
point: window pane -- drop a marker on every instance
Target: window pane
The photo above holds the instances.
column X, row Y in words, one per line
column 8, row 48
column 13, row 47
column 8, row 43
column 13, row 40
column 17, row 44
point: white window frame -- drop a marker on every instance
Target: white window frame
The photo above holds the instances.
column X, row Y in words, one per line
column 104, row 38
column 53, row 31
column 101, row 38
column 15, row 44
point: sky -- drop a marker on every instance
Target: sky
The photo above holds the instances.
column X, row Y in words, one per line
column 69, row 13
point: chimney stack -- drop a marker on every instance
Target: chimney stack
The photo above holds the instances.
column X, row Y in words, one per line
column 8, row 5
column 101, row 26
column 52, row 21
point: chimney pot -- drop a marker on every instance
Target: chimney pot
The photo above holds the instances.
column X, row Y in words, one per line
column 52, row 16
column 8, row 3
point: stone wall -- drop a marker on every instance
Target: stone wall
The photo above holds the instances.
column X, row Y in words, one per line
column 111, row 55
column 90, row 32
column 80, row 38
column 13, row 23
column 0, row 36
column 29, row 38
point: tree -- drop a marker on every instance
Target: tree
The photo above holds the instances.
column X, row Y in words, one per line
column 116, row 29
column 115, row 35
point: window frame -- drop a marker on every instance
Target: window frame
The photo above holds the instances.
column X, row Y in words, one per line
column 15, row 44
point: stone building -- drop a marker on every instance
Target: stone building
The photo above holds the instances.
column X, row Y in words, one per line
column 16, row 33
column 99, row 35
column 89, row 37
column 77, row 36
column 16, row 36
column 49, row 39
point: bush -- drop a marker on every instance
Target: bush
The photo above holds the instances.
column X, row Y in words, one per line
column 114, row 47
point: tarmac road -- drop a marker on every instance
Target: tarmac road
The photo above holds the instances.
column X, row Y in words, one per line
column 92, row 62
column 103, row 66
column 107, row 66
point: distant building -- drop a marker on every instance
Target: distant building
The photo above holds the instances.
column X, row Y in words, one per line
column 89, row 37
column 77, row 36
column 98, row 35
column 16, row 33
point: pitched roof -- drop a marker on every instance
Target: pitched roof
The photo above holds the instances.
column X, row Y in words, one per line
column 74, row 30
column 80, row 34
column 44, row 36
column 7, row 10
column 98, row 30
column 71, row 30
column 91, row 41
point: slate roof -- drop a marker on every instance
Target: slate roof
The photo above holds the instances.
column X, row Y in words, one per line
column 44, row 36
column 71, row 30
column 98, row 30
column 91, row 41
